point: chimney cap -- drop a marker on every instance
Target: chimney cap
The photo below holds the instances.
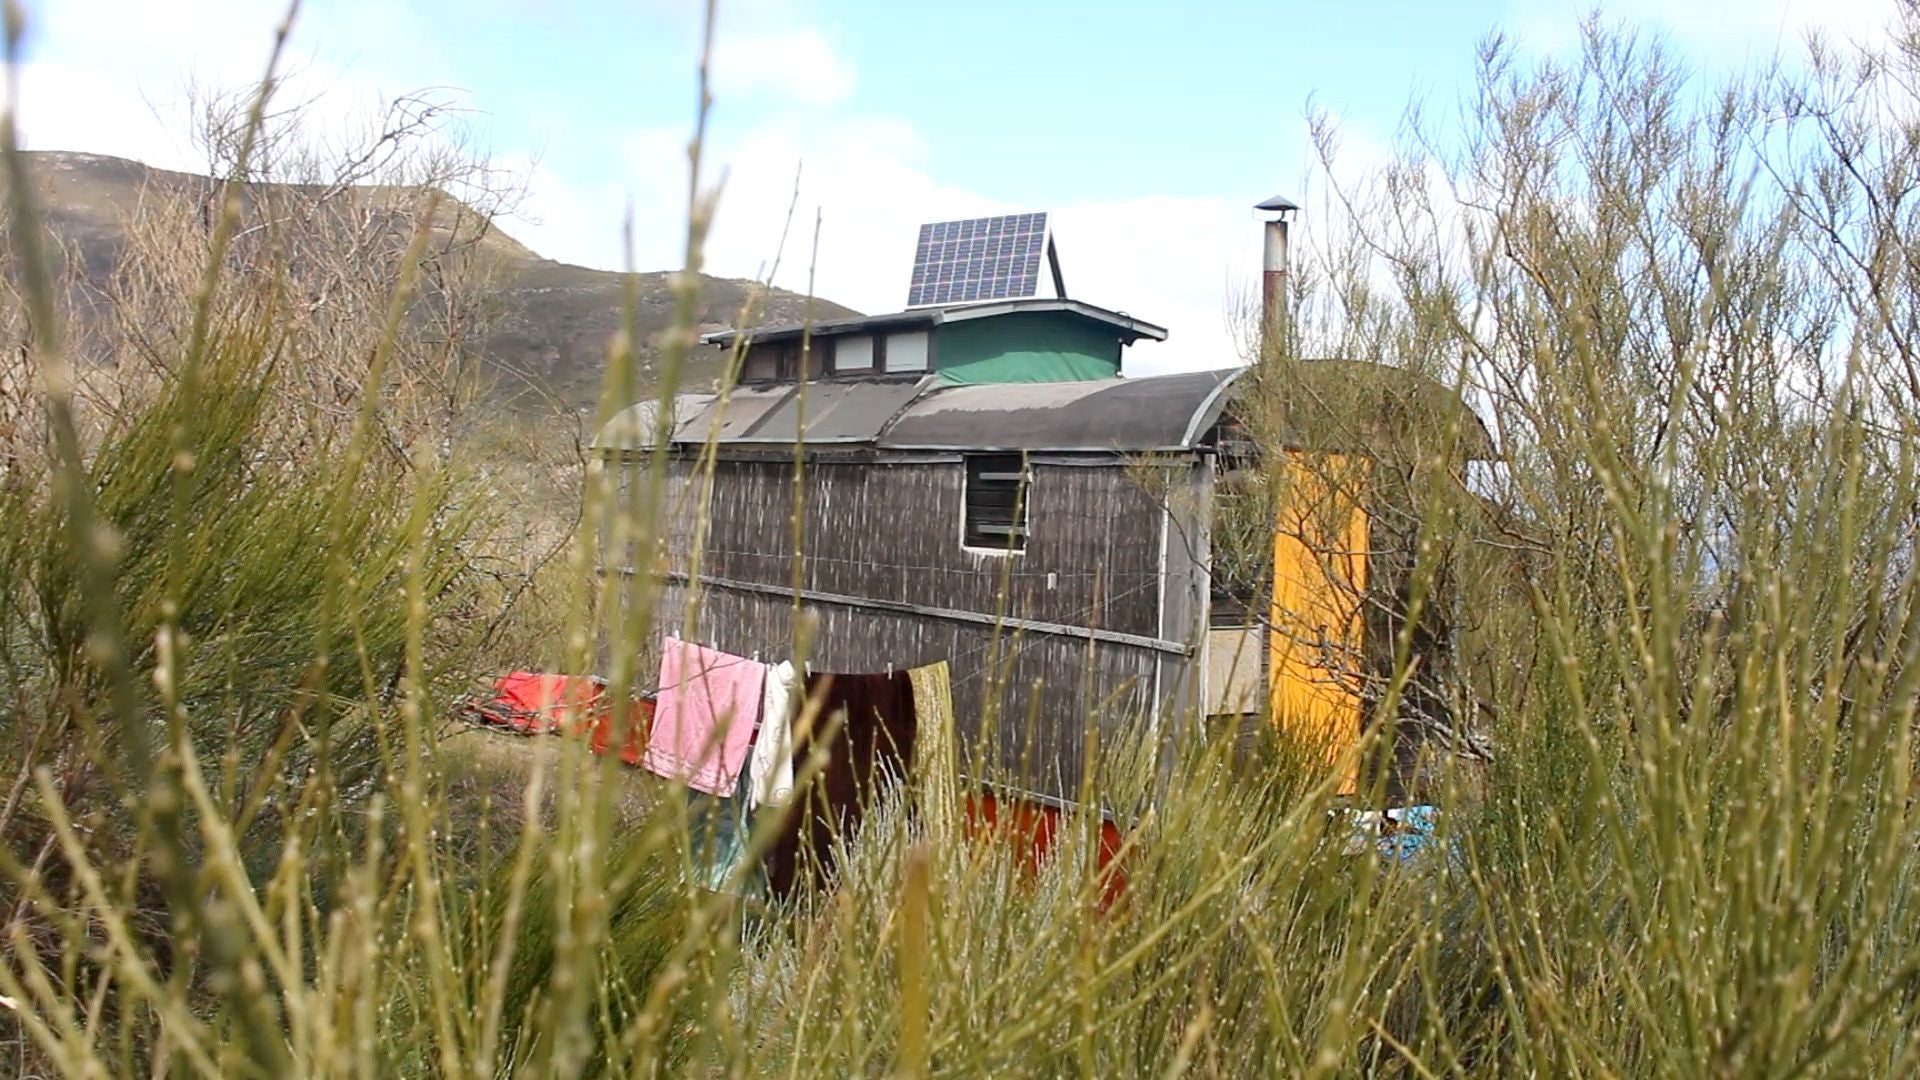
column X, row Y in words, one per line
column 1279, row 204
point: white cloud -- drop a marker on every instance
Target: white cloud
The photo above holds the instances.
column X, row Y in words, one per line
column 1173, row 261
column 796, row 65
column 1179, row 262
column 114, row 78
column 1183, row 261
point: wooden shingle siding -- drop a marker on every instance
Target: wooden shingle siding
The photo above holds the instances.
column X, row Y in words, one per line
column 892, row 532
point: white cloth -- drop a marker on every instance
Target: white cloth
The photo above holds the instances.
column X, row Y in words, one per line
column 772, row 763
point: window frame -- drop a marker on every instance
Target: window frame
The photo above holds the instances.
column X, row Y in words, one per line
column 874, row 349
column 1018, row 532
column 883, row 365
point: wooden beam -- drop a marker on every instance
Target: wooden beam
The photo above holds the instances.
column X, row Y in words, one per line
column 1110, row 637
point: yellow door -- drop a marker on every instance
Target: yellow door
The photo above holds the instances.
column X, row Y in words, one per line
column 1319, row 582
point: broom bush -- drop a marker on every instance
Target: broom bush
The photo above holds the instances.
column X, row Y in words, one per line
column 1683, row 641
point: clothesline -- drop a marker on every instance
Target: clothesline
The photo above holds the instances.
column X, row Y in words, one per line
column 1002, row 639
column 1011, row 645
column 933, row 568
column 728, row 769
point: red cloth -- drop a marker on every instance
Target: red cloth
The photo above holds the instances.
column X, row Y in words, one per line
column 534, row 702
column 538, row 701
column 1035, row 826
column 639, row 725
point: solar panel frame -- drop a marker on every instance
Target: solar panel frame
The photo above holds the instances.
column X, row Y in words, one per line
column 976, row 260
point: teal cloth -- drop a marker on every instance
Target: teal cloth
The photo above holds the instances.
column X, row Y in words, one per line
column 717, row 832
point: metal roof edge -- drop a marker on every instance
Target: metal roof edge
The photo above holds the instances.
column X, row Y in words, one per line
column 1140, row 328
column 824, row 327
column 1215, row 402
column 983, row 448
column 936, row 316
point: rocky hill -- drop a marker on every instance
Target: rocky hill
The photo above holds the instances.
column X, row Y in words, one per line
column 550, row 337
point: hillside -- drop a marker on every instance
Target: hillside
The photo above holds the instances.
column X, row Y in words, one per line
column 554, row 320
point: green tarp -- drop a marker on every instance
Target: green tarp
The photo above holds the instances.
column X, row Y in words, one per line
column 1037, row 346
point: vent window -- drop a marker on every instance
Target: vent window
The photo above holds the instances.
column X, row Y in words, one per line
column 998, row 487
column 907, row 352
column 779, row 361
column 852, row 354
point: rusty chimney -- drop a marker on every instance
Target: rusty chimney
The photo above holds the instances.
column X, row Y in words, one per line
column 1278, row 213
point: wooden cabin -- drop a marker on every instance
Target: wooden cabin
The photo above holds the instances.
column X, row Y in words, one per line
column 973, row 480
column 980, row 486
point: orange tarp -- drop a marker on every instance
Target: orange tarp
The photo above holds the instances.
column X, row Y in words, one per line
column 1033, row 826
column 532, row 702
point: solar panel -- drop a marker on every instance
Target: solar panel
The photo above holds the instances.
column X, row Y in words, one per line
column 995, row 258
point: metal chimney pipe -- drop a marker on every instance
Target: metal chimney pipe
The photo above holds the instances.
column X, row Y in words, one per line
column 1278, row 212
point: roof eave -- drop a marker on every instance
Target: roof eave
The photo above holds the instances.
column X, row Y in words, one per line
column 994, row 448
column 825, row 328
column 1130, row 328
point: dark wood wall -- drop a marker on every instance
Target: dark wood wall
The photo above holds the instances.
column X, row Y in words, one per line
column 892, row 532
column 888, row 530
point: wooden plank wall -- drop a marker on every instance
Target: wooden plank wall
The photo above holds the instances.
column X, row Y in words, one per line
column 1187, row 582
column 891, row 531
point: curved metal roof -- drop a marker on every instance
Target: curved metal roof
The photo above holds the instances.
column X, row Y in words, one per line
column 1162, row 412
column 1324, row 405
column 1165, row 412
column 636, row 426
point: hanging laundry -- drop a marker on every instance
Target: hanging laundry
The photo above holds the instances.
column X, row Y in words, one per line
column 717, row 832
column 772, row 758
column 867, row 726
column 703, row 719
column 936, row 766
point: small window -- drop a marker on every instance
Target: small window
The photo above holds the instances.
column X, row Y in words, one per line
column 996, row 502
column 780, row 361
column 762, row 364
column 852, row 354
column 805, row 361
column 907, row 352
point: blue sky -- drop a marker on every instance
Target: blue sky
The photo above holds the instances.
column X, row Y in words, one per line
column 1049, row 102
column 1147, row 129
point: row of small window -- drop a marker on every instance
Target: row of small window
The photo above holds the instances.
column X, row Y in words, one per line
column 849, row 354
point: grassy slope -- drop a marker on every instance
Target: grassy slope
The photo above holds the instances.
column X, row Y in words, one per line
column 556, row 321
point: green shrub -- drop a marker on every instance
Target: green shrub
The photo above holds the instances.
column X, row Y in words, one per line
column 1687, row 624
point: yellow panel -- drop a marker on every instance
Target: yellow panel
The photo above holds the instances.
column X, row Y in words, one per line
column 1319, row 580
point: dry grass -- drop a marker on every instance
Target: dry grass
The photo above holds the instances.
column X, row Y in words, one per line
column 235, row 844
